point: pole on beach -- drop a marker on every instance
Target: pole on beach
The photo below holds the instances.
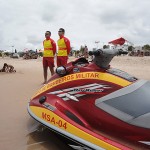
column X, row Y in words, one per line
column 12, row 48
column 96, row 42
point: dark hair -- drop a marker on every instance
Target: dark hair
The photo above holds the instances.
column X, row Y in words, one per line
column 62, row 29
column 49, row 32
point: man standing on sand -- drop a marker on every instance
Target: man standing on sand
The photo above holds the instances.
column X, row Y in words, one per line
column 85, row 52
column 48, row 55
column 63, row 48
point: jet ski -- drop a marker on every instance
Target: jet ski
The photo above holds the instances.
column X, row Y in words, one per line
column 94, row 105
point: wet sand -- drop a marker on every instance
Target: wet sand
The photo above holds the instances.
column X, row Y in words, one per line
column 17, row 129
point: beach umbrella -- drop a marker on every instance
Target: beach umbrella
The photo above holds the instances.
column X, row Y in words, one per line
column 119, row 41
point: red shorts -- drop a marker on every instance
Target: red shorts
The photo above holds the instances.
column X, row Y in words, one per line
column 48, row 62
column 61, row 60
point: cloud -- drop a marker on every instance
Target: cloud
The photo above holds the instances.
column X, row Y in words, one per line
column 23, row 23
column 33, row 39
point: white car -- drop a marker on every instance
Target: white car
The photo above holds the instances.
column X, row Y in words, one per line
column 15, row 55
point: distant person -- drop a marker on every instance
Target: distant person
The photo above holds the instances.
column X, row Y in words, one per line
column 7, row 68
column 3, row 54
column 48, row 55
column 86, row 52
column 63, row 48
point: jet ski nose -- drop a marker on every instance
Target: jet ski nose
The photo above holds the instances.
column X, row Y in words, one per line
column 42, row 99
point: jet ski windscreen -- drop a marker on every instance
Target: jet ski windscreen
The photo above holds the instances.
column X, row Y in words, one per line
column 129, row 106
column 135, row 104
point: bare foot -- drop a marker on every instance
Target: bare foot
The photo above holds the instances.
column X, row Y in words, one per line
column 44, row 82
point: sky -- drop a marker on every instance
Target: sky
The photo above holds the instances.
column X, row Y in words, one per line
column 23, row 22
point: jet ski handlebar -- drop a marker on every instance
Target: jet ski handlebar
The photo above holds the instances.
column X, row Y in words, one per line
column 99, row 52
column 96, row 52
column 102, row 57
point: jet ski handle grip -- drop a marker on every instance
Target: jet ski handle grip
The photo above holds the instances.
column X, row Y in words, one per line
column 96, row 52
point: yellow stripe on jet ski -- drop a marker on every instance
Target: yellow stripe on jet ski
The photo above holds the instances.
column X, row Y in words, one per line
column 84, row 75
column 53, row 119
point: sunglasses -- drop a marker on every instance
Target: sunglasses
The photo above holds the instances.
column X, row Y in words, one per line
column 60, row 31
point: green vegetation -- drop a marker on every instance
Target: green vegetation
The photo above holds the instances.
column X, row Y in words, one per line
column 130, row 48
column 146, row 47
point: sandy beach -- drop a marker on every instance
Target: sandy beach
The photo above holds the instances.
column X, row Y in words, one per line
column 17, row 129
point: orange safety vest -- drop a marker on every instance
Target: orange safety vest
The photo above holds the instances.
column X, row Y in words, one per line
column 62, row 48
column 48, row 50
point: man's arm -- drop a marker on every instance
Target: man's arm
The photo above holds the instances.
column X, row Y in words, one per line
column 54, row 46
column 67, row 42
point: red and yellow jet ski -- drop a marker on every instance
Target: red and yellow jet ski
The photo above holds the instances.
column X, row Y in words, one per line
column 94, row 105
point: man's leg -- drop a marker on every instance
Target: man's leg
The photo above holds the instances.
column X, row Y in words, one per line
column 64, row 61
column 51, row 70
column 61, row 61
column 45, row 74
column 58, row 61
column 51, row 65
column 45, row 66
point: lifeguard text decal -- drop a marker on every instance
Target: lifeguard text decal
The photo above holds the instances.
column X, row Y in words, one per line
column 75, row 92
column 85, row 75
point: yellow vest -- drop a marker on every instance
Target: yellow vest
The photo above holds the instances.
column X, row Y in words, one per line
column 48, row 50
column 62, row 48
